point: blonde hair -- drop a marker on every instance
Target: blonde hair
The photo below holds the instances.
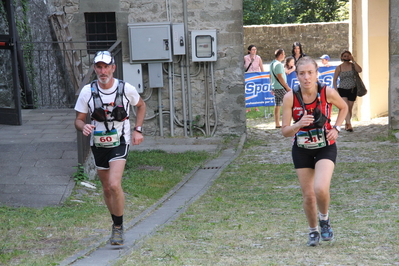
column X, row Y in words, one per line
column 304, row 61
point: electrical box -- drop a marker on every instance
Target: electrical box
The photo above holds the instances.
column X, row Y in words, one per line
column 150, row 42
column 203, row 45
column 132, row 74
column 155, row 75
column 179, row 45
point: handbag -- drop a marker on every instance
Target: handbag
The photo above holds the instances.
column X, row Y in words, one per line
column 361, row 88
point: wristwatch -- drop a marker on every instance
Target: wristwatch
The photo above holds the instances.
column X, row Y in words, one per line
column 138, row 129
column 338, row 128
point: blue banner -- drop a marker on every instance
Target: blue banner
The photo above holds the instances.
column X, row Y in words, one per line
column 258, row 88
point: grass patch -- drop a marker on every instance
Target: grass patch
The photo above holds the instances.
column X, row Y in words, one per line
column 253, row 215
column 389, row 137
column 47, row 236
column 264, row 112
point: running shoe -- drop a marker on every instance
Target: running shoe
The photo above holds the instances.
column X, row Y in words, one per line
column 117, row 235
column 327, row 233
column 314, row 238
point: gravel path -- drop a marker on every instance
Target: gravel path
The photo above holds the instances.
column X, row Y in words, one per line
column 368, row 142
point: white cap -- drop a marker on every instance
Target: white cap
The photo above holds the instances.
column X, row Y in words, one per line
column 103, row 56
column 325, row 56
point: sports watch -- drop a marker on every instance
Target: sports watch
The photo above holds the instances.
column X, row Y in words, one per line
column 338, row 128
column 138, row 129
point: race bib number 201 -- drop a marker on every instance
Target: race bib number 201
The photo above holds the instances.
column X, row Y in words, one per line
column 106, row 139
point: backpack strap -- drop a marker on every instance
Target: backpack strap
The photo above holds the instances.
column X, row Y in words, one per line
column 119, row 94
column 96, row 95
column 297, row 92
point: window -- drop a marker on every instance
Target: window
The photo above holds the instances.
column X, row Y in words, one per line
column 100, row 27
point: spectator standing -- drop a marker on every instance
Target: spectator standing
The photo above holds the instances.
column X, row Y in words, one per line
column 325, row 60
column 253, row 63
column 289, row 65
column 297, row 51
column 279, row 83
column 347, row 84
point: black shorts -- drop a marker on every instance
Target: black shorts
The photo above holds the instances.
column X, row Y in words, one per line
column 307, row 158
column 102, row 156
column 351, row 94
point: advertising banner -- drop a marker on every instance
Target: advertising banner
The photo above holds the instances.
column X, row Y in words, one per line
column 258, row 88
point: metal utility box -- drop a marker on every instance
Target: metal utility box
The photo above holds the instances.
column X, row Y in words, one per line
column 155, row 75
column 150, row 42
column 179, row 42
column 132, row 74
column 203, row 45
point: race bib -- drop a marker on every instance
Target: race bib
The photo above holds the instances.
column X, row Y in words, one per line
column 312, row 139
column 106, row 139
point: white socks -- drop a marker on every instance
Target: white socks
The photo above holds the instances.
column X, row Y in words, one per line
column 323, row 217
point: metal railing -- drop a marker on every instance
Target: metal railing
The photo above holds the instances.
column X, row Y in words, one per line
column 49, row 71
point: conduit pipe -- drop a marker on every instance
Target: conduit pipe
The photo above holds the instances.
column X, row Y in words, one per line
column 171, row 100
column 187, row 67
column 215, row 110
column 160, row 112
column 206, row 86
column 183, row 94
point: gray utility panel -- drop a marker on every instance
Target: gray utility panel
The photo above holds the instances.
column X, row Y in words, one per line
column 150, row 42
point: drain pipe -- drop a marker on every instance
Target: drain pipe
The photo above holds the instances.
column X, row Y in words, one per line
column 171, row 100
column 188, row 68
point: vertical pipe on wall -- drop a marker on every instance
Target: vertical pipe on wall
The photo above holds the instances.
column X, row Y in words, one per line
column 183, row 94
column 206, row 87
column 214, row 101
column 171, row 99
column 160, row 111
column 188, row 67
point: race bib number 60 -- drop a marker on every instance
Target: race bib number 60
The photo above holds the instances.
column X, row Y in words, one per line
column 106, row 139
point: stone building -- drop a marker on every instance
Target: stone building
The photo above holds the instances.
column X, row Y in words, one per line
column 206, row 98
column 209, row 99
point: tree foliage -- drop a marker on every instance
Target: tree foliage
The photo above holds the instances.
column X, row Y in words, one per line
column 260, row 12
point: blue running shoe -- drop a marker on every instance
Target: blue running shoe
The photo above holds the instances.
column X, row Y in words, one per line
column 327, row 233
column 314, row 238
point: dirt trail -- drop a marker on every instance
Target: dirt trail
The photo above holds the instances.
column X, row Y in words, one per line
column 366, row 144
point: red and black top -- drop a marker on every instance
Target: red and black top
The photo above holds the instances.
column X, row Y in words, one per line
column 319, row 102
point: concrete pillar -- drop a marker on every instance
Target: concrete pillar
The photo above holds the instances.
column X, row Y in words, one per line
column 369, row 37
column 394, row 65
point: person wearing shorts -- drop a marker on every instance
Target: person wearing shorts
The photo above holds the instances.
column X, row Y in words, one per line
column 314, row 150
column 347, row 84
column 107, row 101
column 279, row 83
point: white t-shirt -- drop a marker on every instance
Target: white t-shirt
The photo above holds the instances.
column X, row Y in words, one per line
column 85, row 105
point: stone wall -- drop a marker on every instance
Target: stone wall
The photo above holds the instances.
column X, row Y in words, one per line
column 226, row 105
column 316, row 38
